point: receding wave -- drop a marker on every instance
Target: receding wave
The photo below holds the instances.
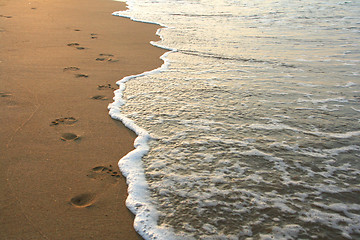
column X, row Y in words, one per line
column 251, row 128
column 240, row 59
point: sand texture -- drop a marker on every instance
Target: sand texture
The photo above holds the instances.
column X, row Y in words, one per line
column 59, row 149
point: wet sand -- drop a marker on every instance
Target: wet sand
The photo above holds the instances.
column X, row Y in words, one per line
column 59, row 149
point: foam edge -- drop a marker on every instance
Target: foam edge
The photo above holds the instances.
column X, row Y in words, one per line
column 138, row 200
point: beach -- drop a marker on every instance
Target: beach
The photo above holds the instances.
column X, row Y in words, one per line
column 248, row 127
column 59, row 148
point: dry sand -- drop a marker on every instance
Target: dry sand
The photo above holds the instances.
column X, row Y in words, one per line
column 59, row 61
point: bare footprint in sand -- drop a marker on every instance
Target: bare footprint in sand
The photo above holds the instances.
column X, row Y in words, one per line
column 105, row 57
column 83, row 200
column 73, row 44
column 93, row 35
column 69, row 137
column 105, row 87
column 3, row 16
column 4, row 94
column 76, row 45
column 64, row 120
column 99, row 97
column 71, row 69
column 74, row 69
column 104, row 173
column 81, row 75
column 8, row 99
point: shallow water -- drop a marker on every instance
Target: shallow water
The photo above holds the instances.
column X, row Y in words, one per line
column 254, row 125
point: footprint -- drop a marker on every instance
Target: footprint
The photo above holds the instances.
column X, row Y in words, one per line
column 112, row 60
column 83, row 200
column 74, row 69
column 5, row 16
column 8, row 99
column 104, row 57
column 81, row 75
column 77, row 30
column 4, row 94
column 77, row 45
column 99, row 97
column 104, row 173
column 64, row 120
column 73, row 44
column 71, row 69
column 69, row 137
column 105, row 87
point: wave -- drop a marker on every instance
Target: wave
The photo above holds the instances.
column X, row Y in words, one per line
column 240, row 59
column 138, row 200
column 316, row 133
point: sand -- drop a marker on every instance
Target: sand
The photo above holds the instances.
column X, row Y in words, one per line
column 59, row 149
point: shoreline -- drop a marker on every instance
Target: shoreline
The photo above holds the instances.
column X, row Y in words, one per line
column 59, row 147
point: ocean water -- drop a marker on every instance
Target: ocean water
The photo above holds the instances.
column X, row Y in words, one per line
column 251, row 128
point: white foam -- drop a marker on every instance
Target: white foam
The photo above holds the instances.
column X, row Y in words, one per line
column 254, row 177
column 314, row 152
column 282, row 206
column 339, row 207
column 340, row 135
column 279, row 164
column 290, row 231
column 316, row 101
column 332, row 220
column 355, row 109
column 138, row 200
column 337, row 151
column 272, row 127
column 317, row 133
column 308, row 85
column 349, row 84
